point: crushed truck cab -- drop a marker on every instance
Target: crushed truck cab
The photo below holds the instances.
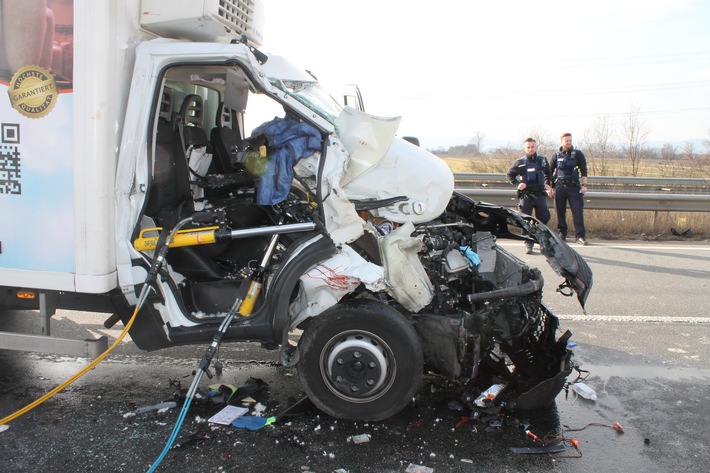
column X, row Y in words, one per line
column 350, row 235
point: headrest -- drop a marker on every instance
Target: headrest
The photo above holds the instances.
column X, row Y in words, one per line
column 166, row 104
column 191, row 110
column 224, row 116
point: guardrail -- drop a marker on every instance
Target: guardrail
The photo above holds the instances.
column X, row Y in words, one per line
column 609, row 192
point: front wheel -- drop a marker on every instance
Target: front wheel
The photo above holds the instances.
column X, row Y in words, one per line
column 360, row 360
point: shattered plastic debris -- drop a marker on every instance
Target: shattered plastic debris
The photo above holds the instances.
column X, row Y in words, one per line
column 4, row 427
column 258, row 409
column 489, row 395
column 361, row 438
column 160, row 407
column 585, row 391
column 412, row 468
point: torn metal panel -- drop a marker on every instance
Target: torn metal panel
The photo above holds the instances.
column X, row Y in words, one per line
column 407, row 280
column 324, row 285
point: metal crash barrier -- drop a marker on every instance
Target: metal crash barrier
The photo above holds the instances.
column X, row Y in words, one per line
column 610, row 192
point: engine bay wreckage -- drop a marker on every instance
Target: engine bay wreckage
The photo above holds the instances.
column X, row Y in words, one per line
column 355, row 237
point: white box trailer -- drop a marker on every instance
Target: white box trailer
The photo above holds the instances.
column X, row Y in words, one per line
column 72, row 143
column 67, row 67
column 126, row 121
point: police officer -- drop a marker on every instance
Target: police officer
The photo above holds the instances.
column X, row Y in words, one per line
column 569, row 168
column 531, row 174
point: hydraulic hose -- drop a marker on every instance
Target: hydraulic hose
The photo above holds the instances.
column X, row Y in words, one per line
column 203, row 368
column 152, row 274
column 240, row 306
column 81, row 373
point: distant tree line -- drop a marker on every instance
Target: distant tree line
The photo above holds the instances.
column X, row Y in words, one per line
column 610, row 150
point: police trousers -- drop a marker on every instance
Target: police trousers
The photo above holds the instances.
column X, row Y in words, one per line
column 530, row 203
column 565, row 193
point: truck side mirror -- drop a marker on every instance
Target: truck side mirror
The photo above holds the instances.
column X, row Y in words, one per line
column 412, row 139
column 353, row 98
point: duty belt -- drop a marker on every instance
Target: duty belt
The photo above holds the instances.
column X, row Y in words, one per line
column 530, row 193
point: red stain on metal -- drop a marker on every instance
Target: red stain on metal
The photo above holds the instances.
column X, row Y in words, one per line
column 334, row 279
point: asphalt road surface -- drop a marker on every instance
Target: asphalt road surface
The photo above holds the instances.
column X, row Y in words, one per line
column 644, row 339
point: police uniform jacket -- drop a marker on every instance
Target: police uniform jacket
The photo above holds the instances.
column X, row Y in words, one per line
column 534, row 171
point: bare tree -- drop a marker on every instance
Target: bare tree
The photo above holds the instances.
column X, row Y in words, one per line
column 597, row 145
column 690, row 161
column 477, row 141
column 706, row 142
column 669, row 152
column 689, row 150
column 634, row 132
column 669, row 159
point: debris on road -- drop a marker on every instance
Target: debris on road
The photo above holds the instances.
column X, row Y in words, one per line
column 584, row 391
column 412, row 468
column 361, row 438
column 228, row 415
column 253, row 422
column 162, row 406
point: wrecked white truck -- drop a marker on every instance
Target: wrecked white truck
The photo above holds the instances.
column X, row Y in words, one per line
column 236, row 167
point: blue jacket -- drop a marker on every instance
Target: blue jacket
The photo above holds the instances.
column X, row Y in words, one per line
column 289, row 141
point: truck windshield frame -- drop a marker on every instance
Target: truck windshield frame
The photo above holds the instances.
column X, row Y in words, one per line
column 313, row 96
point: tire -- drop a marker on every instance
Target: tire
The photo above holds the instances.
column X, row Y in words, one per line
column 339, row 346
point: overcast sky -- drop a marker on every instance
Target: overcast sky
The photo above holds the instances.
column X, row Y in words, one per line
column 506, row 68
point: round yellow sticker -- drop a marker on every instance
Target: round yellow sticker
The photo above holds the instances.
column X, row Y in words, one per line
column 33, row 91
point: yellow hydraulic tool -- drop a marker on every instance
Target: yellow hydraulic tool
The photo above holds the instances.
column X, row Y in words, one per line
column 148, row 238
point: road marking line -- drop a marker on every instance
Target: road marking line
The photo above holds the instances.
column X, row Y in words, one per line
column 620, row 246
column 634, row 318
column 648, row 247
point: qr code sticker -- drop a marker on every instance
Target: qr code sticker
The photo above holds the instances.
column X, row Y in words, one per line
column 10, row 159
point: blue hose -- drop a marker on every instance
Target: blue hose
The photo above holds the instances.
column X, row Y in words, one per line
column 173, row 435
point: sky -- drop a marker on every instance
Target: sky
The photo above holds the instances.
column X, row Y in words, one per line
column 507, row 69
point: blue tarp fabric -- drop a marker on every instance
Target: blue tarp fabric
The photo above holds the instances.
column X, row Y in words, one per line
column 289, row 141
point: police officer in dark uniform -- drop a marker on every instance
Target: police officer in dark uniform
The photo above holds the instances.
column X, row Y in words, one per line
column 531, row 174
column 569, row 168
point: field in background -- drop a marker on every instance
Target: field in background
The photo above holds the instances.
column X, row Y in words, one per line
column 615, row 224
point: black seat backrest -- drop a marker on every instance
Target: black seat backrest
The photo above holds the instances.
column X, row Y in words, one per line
column 166, row 105
column 191, row 112
column 170, row 197
column 225, row 140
